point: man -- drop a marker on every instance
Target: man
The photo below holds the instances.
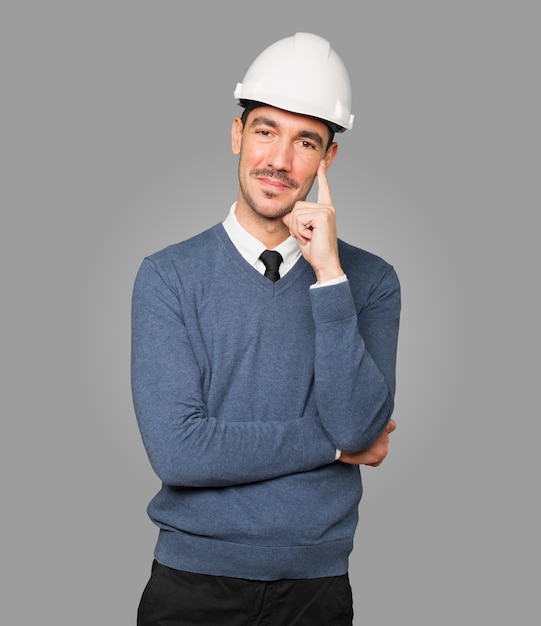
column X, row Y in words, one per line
column 260, row 390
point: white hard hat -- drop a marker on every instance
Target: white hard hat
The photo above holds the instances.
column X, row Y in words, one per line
column 301, row 74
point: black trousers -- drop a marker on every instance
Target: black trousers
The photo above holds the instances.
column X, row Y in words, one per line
column 178, row 598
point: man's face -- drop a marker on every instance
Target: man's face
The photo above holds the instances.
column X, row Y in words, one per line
column 280, row 153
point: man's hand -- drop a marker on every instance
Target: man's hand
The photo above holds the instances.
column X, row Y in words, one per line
column 313, row 224
column 374, row 454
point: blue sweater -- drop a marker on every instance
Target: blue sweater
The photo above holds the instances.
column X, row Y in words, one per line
column 244, row 389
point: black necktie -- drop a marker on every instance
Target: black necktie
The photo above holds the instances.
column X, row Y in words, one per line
column 272, row 260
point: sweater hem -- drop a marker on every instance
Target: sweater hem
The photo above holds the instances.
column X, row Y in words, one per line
column 203, row 555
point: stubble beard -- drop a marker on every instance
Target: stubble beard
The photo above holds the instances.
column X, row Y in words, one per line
column 277, row 213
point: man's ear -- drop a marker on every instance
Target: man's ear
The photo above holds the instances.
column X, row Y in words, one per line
column 330, row 155
column 236, row 135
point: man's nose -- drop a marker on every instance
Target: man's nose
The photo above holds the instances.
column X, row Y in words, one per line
column 280, row 156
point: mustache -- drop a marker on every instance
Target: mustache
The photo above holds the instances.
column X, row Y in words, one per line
column 269, row 172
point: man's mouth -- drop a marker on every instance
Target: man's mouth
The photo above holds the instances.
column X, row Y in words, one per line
column 277, row 180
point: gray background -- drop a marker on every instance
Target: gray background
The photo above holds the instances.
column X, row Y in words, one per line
column 115, row 121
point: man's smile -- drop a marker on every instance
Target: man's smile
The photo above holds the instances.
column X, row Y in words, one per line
column 273, row 178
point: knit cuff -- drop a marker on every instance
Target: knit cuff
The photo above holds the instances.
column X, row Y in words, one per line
column 332, row 303
column 317, row 447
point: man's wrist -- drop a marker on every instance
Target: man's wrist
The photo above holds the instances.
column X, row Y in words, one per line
column 326, row 274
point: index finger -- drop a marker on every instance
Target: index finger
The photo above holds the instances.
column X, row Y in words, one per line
column 323, row 192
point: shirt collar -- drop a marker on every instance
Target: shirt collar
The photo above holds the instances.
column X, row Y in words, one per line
column 250, row 247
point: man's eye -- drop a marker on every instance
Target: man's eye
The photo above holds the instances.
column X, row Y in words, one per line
column 307, row 144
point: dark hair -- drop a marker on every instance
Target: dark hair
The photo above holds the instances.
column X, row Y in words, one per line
column 249, row 105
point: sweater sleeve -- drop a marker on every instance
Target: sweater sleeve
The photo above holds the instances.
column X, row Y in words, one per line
column 355, row 360
column 185, row 445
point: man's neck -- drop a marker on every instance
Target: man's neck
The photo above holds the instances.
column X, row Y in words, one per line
column 271, row 232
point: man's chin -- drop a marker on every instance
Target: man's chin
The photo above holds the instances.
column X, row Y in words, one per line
column 270, row 209
column 272, row 213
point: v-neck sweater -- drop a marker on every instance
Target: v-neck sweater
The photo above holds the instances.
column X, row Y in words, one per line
column 243, row 390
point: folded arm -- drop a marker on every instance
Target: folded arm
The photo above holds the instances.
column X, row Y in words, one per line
column 355, row 360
